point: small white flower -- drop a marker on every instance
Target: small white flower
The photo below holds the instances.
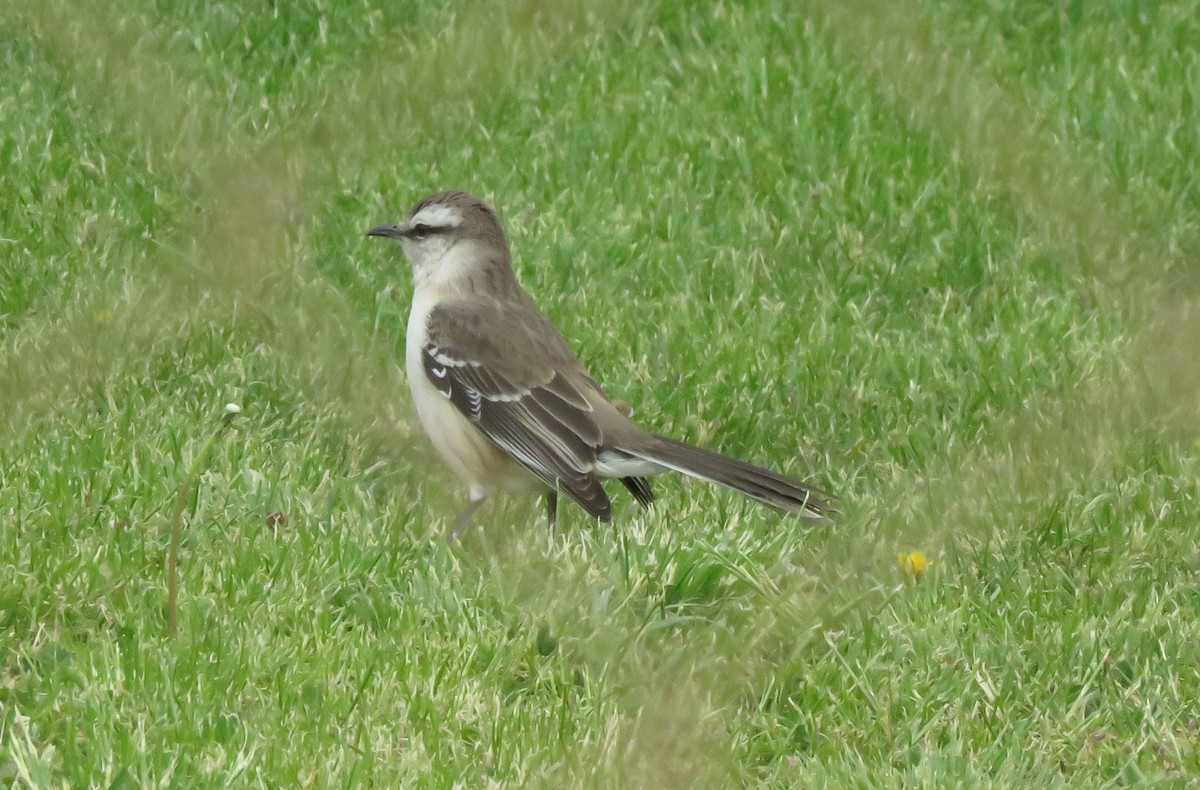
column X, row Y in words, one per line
column 233, row 408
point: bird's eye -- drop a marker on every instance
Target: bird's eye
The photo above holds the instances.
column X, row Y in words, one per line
column 420, row 231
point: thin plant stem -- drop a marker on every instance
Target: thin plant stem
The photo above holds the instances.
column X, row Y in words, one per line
column 190, row 482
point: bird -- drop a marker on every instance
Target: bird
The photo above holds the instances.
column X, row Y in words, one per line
column 504, row 399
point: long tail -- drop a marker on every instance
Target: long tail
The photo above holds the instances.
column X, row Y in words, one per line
column 756, row 482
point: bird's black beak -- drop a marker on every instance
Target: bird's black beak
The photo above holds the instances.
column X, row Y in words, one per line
column 386, row 231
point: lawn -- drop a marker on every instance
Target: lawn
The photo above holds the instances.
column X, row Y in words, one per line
column 940, row 258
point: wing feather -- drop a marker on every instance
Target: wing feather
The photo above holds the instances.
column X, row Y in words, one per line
column 518, row 396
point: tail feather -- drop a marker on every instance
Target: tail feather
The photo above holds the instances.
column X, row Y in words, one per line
column 641, row 490
column 756, row 482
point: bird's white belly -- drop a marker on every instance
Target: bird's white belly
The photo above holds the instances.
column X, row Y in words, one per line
column 464, row 448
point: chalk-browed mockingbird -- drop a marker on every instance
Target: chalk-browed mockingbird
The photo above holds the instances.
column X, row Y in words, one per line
column 503, row 398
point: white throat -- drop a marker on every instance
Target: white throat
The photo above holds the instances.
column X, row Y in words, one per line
column 442, row 265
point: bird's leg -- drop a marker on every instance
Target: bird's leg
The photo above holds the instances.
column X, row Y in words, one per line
column 552, row 508
column 464, row 519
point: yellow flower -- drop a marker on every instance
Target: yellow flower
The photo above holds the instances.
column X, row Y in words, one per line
column 912, row 563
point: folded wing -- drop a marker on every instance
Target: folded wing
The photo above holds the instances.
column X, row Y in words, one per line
column 507, row 380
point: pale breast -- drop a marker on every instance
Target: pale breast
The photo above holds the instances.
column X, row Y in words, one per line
column 468, row 453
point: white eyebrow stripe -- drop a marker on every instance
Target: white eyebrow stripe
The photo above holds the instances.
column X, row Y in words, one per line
column 438, row 215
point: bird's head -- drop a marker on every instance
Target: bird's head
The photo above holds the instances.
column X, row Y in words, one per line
column 441, row 225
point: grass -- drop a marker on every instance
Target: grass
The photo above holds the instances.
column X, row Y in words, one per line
column 940, row 258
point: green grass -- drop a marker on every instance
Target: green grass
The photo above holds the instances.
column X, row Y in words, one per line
column 941, row 259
